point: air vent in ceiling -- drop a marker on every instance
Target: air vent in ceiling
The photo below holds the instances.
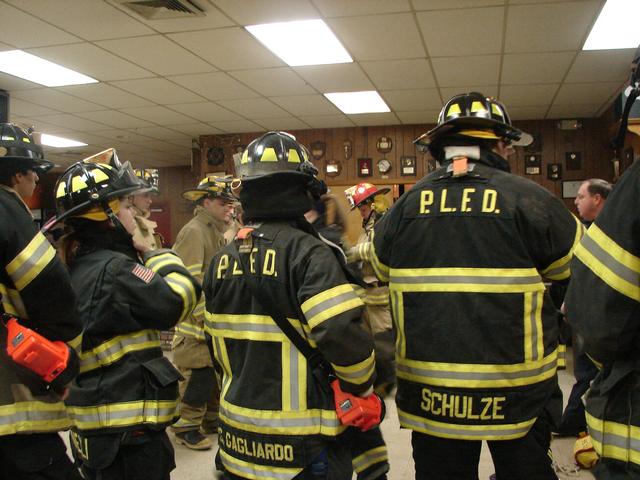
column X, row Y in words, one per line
column 163, row 9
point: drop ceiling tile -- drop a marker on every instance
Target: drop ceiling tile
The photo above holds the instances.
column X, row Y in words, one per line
column 206, row 112
column 306, row 105
column 472, row 31
column 254, row 108
column 214, row 18
column 28, row 109
column 528, row 113
column 465, row 71
column 340, row 8
column 379, row 37
column 23, row 30
column 327, row 121
column 549, row 27
column 215, row 86
column 573, row 111
column 92, row 139
column 72, row 122
column 158, row 90
column 448, row 4
column 412, row 100
column 91, row 60
column 252, row 12
column 105, row 95
column 160, row 133
column 113, row 118
column 157, row 54
column 601, row 66
column 518, row 2
column 4, row 47
column 527, row 95
column 488, row 90
column 89, row 19
column 194, row 129
column 11, row 83
column 344, row 77
column 157, row 114
column 418, row 117
column 228, row 48
column 118, row 135
column 529, row 68
column 237, row 126
column 586, row 93
column 399, row 74
column 274, row 81
column 372, row 119
column 56, row 100
column 283, row 124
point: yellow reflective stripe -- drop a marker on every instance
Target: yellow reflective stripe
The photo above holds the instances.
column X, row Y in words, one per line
column 185, row 289
column 614, row 440
column 330, row 303
column 465, row 432
column 248, row 327
column 598, row 365
column 244, row 469
column 533, row 331
column 559, row 270
column 195, row 269
column 12, row 302
column 123, row 414
column 28, row 264
column 462, row 375
column 615, row 266
column 370, row 457
column 200, row 308
column 562, row 355
column 357, row 373
column 277, row 422
column 190, row 330
column 397, row 311
column 376, row 299
column 33, row 416
column 481, row 280
column 157, row 262
column 380, row 269
column 76, row 342
column 364, row 251
column 113, row 350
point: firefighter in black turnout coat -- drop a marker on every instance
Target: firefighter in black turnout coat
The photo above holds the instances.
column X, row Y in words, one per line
column 465, row 253
column 277, row 418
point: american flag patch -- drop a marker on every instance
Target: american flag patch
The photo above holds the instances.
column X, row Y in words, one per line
column 143, row 273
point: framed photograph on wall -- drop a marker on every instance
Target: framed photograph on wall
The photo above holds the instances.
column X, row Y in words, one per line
column 570, row 188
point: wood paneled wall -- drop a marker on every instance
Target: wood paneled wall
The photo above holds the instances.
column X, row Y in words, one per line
column 174, row 181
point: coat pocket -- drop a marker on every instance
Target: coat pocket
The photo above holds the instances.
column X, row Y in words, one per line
column 161, row 373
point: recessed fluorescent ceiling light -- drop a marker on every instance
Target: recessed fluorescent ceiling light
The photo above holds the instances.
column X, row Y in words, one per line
column 53, row 141
column 305, row 42
column 35, row 69
column 616, row 27
column 358, row 102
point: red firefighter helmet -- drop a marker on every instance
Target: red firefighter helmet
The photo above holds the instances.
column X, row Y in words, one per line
column 362, row 192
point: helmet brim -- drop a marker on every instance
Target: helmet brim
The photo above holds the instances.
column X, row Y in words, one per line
column 524, row 139
column 372, row 194
column 41, row 166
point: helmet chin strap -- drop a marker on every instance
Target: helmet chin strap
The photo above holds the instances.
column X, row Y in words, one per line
column 114, row 218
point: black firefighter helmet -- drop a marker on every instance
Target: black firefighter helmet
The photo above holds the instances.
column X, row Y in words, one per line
column 19, row 151
column 476, row 116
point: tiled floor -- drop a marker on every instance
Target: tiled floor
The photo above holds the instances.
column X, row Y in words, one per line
column 192, row 465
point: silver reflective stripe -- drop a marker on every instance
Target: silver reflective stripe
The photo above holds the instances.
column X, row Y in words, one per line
column 135, row 413
column 31, row 261
column 609, row 261
column 611, row 439
column 295, row 378
column 370, row 458
column 330, row 302
column 31, row 414
column 245, row 327
column 229, row 462
column 280, row 422
column 466, row 279
column 356, row 375
column 116, row 350
column 534, row 327
column 190, row 330
column 423, row 372
column 487, row 431
column 558, row 270
column 182, row 284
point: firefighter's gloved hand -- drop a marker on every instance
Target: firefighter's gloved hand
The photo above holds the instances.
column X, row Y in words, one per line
column 361, row 412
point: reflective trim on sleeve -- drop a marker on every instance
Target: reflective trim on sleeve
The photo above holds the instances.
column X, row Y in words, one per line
column 113, row 350
column 481, row 280
column 562, row 356
column 195, row 269
column 330, row 303
column 76, row 343
column 380, row 269
column 369, row 458
column 276, row 422
column 363, row 251
column 459, row 375
column 559, row 270
column 34, row 416
column 185, row 289
column 465, row 432
column 376, row 298
column 28, row 264
column 156, row 262
column 358, row 373
column 123, row 414
column 256, row 472
column 12, row 302
column 187, row 329
column 615, row 440
column 615, row 266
